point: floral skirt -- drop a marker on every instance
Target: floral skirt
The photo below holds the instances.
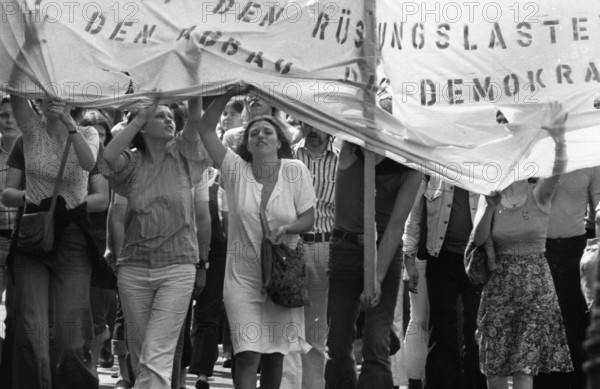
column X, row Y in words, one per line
column 520, row 327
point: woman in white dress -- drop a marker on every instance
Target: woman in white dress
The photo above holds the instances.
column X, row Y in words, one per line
column 261, row 175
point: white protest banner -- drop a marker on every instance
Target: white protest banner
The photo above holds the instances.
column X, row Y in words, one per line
column 306, row 55
column 453, row 65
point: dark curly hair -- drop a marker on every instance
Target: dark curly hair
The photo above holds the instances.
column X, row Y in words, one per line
column 285, row 151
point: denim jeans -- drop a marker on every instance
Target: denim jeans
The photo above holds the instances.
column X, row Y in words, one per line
column 155, row 302
column 345, row 287
column 64, row 278
column 563, row 257
column 446, row 281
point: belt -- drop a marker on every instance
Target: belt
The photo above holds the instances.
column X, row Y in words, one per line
column 316, row 238
column 348, row 236
column 5, row 233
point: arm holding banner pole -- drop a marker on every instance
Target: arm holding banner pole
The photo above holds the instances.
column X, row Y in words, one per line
column 390, row 242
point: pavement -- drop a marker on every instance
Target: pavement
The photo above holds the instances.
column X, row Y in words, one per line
column 220, row 380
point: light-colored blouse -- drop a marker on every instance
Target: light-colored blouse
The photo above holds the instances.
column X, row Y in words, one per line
column 42, row 162
column 160, row 225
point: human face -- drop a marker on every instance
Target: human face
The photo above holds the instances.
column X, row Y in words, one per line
column 259, row 106
column 160, row 125
column 230, row 118
column 312, row 136
column 8, row 124
column 101, row 132
column 263, row 139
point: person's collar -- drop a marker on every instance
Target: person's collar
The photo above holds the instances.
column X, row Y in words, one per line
column 329, row 147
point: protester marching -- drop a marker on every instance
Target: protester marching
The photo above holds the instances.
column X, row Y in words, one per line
column 301, row 194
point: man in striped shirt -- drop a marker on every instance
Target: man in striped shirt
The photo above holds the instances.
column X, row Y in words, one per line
column 317, row 152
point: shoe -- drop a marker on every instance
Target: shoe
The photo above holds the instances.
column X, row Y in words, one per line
column 115, row 374
column 227, row 363
column 415, row 384
column 107, row 359
column 201, row 385
column 122, row 384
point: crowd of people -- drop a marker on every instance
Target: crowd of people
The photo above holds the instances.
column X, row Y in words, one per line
column 159, row 219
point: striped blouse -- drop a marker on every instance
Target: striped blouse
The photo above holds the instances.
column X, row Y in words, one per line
column 160, row 225
column 323, row 170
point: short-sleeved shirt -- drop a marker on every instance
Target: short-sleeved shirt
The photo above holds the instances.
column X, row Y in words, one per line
column 323, row 170
column 349, row 196
column 159, row 221
column 569, row 204
column 43, row 155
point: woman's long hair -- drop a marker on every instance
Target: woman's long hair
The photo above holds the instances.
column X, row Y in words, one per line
column 93, row 118
column 285, row 151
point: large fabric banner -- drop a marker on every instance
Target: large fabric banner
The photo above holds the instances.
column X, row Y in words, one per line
column 451, row 66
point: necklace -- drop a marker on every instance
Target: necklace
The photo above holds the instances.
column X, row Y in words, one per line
column 511, row 199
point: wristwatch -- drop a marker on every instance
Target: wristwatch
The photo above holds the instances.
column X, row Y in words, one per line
column 203, row 265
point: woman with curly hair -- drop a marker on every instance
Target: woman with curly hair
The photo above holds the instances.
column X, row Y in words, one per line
column 262, row 178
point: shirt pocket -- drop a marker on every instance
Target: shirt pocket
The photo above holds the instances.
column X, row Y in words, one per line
column 432, row 194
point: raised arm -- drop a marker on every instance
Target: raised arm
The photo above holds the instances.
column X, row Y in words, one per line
column 86, row 153
column 22, row 110
column 207, row 129
column 545, row 188
column 192, row 124
column 122, row 141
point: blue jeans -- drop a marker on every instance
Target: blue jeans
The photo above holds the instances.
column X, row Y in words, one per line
column 60, row 280
column 345, row 287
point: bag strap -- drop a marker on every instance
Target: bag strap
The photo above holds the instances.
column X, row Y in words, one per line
column 263, row 216
column 63, row 162
column 265, row 196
